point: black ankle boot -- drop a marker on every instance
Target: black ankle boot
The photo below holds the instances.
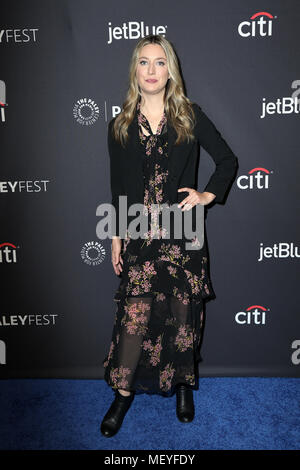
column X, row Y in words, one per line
column 185, row 409
column 113, row 419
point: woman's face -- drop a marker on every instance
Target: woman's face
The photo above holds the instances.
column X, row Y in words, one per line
column 152, row 65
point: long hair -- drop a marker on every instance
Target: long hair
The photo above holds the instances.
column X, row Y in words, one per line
column 178, row 107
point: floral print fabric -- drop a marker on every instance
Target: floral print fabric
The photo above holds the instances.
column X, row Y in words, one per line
column 159, row 302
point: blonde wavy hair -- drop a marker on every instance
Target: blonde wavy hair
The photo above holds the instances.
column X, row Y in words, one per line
column 178, row 107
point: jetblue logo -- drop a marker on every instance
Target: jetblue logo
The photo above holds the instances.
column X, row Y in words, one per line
column 279, row 250
column 133, row 30
column 285, row 105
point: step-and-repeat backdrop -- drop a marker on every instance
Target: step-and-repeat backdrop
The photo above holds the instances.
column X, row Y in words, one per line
column 64, row 74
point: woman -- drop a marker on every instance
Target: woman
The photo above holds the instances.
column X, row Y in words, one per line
column 153, row 154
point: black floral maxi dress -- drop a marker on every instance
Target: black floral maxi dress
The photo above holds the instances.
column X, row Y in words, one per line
column 158, row 320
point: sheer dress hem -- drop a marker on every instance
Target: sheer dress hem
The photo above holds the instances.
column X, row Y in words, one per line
column 154, row 354
column 170, row 393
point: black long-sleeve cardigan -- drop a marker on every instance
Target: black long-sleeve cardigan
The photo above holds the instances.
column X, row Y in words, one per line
column 126, row 172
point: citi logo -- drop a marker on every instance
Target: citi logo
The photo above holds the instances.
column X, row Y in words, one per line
column 8, row 253
column 133, row 30
column 260, row 25
column 2, row 352
column 254, row 315
column 257, row 178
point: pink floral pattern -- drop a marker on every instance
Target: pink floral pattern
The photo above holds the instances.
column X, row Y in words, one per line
column 160, row 296
column 135, row 319
column 184, row 338
column 140, row 278
column 166, row 376
column 118, row 377
column 173, row 254
column 154, row 350
column 184, row 298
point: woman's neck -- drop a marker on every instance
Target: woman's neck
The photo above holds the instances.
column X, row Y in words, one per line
column 152, row 106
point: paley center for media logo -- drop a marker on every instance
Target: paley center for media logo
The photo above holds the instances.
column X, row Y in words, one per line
column 133, row 30
column 92, row 253
column 260, row 24
column 86, row 111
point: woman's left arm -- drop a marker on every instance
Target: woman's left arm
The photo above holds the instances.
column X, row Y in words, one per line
column 226, row 162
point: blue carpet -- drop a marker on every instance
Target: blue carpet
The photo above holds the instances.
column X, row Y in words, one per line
column 253, row 413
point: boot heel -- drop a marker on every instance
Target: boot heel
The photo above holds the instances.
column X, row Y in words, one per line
column 115, row 415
